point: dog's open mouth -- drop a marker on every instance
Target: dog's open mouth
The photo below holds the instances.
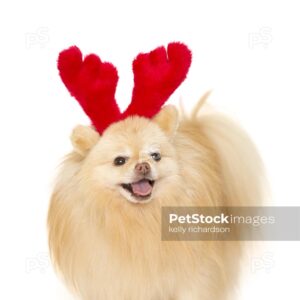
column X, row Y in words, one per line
column 141, row 189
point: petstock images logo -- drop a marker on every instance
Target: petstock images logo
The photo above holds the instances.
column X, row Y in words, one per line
column 231, row 223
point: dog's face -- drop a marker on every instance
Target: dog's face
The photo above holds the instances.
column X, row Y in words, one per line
column 134, row 159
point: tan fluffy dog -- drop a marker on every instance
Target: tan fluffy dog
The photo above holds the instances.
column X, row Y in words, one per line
column 105, row 212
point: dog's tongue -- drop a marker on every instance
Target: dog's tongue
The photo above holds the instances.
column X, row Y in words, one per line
column 141, row 188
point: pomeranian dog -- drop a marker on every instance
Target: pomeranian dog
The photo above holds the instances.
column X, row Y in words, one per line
column 105, row 213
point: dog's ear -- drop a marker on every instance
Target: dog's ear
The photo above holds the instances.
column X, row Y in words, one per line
column 167, row 119
column 84, row 138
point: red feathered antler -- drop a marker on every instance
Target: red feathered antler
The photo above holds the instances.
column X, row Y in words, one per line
column 93, row 83
column 156, row 76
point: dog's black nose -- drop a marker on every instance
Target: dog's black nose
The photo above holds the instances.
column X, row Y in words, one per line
column 142, row 168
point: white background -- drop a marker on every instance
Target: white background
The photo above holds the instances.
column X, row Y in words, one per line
column 248, row 52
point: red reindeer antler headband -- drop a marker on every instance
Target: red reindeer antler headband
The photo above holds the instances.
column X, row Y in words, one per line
column 93, row 83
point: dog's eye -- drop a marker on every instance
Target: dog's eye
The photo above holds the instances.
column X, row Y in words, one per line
column 156, row 156
column 119, row 161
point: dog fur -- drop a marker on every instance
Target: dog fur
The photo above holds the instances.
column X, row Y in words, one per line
column 106, row 246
